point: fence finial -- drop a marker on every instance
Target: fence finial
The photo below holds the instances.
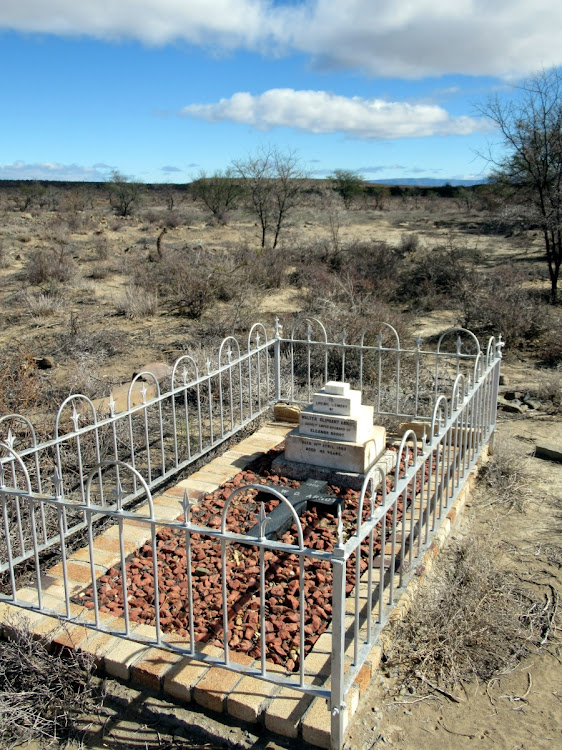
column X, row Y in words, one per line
column 187, row 505
column 10, row 439
column 262, row 520
column 58, row 483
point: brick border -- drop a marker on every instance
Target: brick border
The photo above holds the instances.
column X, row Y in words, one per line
column 284, row 711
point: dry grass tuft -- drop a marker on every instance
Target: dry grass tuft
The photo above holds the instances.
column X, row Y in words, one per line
column 473, row 620
column 42, row 695
column 505, row 478
column 137, row 303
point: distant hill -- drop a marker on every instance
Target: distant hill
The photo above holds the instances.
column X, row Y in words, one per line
column 427, row 182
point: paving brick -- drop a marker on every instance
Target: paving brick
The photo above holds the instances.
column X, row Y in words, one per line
column 77, row 572
column 316, row 723
column 214, row 473
column 121, row 656
column 69, row 636
column 317, row 663
column 49, row 600
column 363, row 678
column 13, row 617
column 211, row 691
column 102, row 558
column 193, row 484
column 46, row 626
column 111, row 544
column 247, row 700
column 180, row 680
column 178, row 492
column 171, row 502
column 284, row 713
column 137, row 535
column 152, row 668
column 7, row 612
column 165, row 511
column 54, row 586
column 97, row 644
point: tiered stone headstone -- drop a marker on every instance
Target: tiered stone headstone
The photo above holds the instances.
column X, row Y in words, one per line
column 336, row 432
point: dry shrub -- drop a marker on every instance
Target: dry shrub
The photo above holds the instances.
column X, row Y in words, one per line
column 409, row 243
column 44, row 266
column 4, row 256
column 472, row 620
column 266, row 270
column 43, row 695
column 20, row 384
column 551, row 390
column 499, row 302
column 78, row 342
column 137, row 303
column 100, row 271
column 433, row 277
column 551, row 347
column 189, row 280
column 101, row 247
column 83, row 377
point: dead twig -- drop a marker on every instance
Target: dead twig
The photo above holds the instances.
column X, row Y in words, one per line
column 458, row 734
column 438, row 689
column 416, row 700
column 516, row 698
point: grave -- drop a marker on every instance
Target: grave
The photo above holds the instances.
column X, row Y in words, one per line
column 336, row 440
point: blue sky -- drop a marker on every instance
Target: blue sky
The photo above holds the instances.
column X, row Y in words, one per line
column 160, row 89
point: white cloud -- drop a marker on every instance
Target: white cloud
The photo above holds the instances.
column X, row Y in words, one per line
column 388, row 37
column 228, row 22
column 323, row 112
column 20, row 170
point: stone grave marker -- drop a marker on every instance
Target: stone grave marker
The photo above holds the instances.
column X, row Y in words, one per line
column 336, row 439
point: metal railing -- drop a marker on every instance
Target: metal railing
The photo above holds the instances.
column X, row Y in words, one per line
column 55, row 492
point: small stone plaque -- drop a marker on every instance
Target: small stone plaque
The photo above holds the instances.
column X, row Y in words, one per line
column 326, row 403
column 337, row 388
column 345, row 456
column 354, row 429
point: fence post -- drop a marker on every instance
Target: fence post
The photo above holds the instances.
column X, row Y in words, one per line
column 495, row 390
column 337, row 703
column 277, row 360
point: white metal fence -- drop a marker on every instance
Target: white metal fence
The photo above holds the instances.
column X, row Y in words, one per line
column 97, row 464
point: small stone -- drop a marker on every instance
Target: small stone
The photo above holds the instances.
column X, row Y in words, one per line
column 159, row 370
column 286, row 413
column 509, row 406
column 202, row 572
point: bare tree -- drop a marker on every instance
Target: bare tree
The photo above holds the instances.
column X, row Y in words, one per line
column 124, row 193
column 274, row 183
column 530, row 127
column 30, row 193
column 219, row 192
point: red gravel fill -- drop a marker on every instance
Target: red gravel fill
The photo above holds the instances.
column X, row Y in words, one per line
column 242, row 569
